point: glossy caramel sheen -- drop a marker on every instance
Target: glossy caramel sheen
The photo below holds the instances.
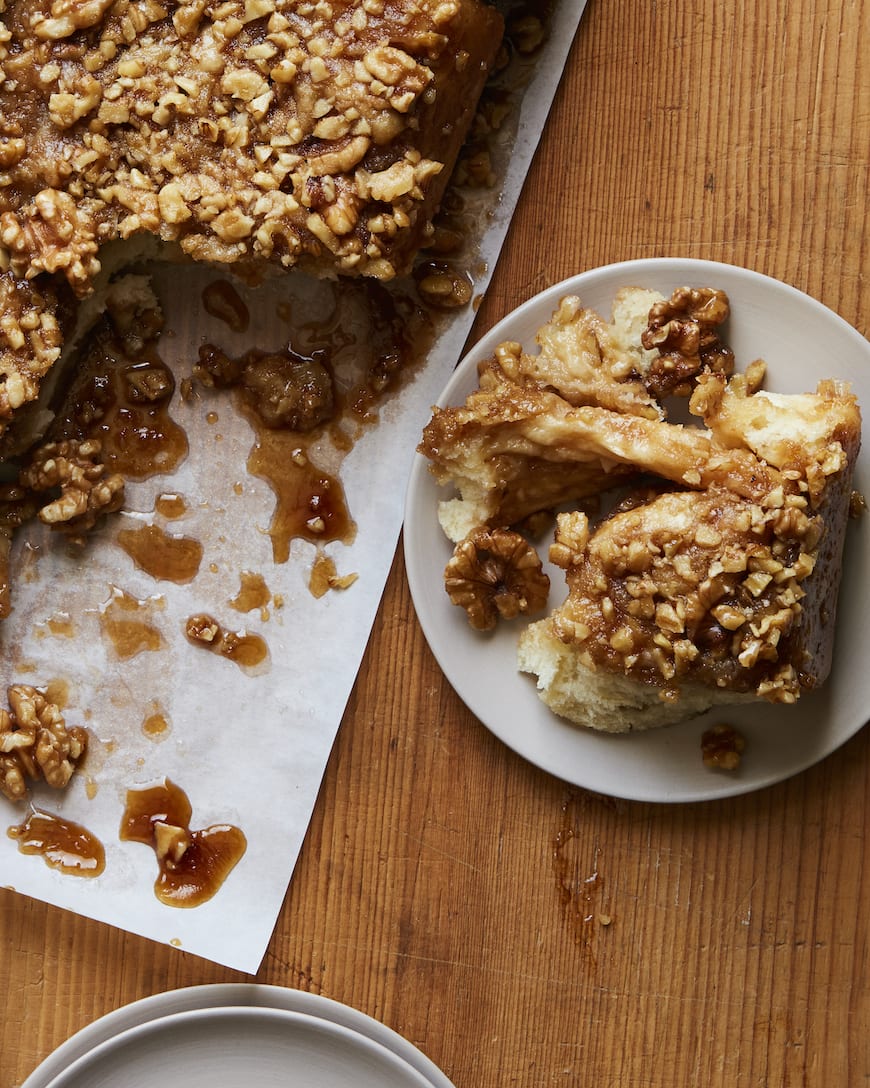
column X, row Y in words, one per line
column 167, row 558
column 62, row 844
column 210, row 855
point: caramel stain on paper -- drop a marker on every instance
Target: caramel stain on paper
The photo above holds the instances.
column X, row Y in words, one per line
column 163, row 556
column 127, row 624
column 156, row 725
column 170, row 505
column 245, row 649
column 253, row 594
column 192, row 865
column 222, row 300
column 325, row 576
column 63, row 845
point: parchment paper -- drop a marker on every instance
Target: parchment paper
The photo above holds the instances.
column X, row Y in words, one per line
column 249, row 749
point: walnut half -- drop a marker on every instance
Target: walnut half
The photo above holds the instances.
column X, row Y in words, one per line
column 86, row 490
column 495, row 574
column 684, row 328
column 36, row 743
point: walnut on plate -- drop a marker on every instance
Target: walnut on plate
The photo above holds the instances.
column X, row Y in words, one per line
column 495, row 574
column 684, row 329
column 36, row 743
column 722, row 747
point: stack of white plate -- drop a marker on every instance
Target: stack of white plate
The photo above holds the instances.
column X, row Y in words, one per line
column 236, row 1035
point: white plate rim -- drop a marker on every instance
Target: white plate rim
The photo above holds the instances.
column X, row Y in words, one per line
column 230, row 995
column 556, row 752
column 241, row 1022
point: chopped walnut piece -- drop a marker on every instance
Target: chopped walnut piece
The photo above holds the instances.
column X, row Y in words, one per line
column 722, row 747
column 684, row 329
column 495, row 574
column 86, row 491
column 35, row 743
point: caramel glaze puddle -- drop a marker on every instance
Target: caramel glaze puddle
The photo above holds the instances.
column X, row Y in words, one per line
column 123, row 400
column 310, row 501
column 245, row 649
column 156, row 725
column 193, row 865
column 167, row 558
column 63, row 844
column 223, row 301
column 253, row 592
column 170, row 505
column 126, row 622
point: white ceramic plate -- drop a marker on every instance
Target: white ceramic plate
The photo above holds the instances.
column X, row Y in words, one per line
column 231, row 996
column 802, row 342
column 232, row 1046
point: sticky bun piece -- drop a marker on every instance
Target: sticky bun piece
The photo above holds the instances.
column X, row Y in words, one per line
column 716, row 592
column 720, row 583
column 253, row 133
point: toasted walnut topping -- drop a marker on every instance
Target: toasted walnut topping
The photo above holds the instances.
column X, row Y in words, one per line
column 495, row 574
column 35, row 743
column 722, row 747
column 693, row 584
column 684, row 330
column 86, row 492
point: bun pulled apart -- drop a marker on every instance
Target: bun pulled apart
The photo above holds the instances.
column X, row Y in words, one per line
column 714, row 578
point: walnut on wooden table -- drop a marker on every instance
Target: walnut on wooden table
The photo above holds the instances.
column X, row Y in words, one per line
column 36, row 743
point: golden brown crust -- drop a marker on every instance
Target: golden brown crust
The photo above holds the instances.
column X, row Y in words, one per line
column 314, row 134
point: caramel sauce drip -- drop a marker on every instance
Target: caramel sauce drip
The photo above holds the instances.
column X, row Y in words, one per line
column 392, row 331
column 155, row 725
column 126, row 622
column 124, row 402
column 223, row 301
column 63, row 844
column 193, row 865
column 61, row 625
column 167, row 558
column 170, row 505
column 245, row 649
column 310, row 503
column 253, row 593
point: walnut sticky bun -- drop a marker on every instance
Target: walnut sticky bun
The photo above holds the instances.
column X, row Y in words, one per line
column 715, row 578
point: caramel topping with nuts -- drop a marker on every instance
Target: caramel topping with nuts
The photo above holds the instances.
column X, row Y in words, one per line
column 722, row 747
column 251, row 133
column 245, row 649
column 692, row 585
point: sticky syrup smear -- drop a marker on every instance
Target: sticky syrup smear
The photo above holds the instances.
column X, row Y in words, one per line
column 370, row 336
column 165, row 557
column 253, row 593
column 124, row 402
column 127, row 624
column 193, row 865
column 245, row 649
column 63, row 844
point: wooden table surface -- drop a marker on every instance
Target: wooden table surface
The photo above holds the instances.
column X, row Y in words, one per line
column 452, row 890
